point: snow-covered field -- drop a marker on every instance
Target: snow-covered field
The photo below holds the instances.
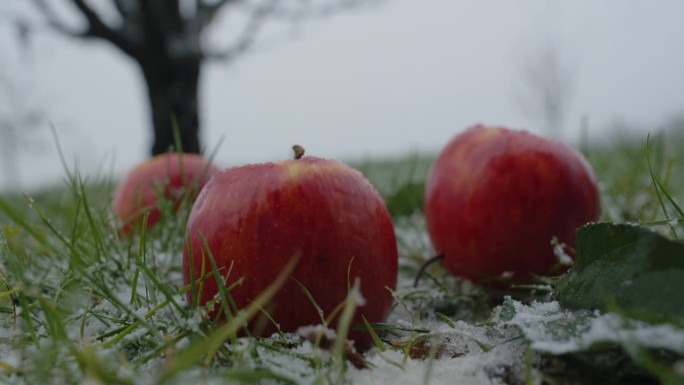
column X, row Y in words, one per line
column 439, row 333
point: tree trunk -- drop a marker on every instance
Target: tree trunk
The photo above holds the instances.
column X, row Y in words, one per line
column 172, row 86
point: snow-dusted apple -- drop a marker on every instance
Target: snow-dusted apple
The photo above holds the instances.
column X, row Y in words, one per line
column 254, row 219
column 171, row 176
column 495, row 198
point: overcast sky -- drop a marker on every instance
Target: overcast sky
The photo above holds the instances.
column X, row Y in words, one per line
column 402, row 77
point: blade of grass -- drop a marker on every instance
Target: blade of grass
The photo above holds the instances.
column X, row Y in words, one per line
column 23, row 224
column 93, row 227
column 353, row 300
column 485, row 348
column 374, row 336
column 308, row 295
column 7, row 367
column 393, row 326
column 189, row 259
column 226, row 299
column 206, row 348
column 9, row 293
column 127, row 330
column 656, row 185
column 28, row 318
column 140, row 261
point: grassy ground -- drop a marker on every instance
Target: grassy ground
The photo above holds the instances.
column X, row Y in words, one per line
column 81, row 304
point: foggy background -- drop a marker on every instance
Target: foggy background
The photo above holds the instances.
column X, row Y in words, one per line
column 390, row 80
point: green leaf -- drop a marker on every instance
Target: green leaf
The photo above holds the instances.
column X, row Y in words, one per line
column 593, row 347
column 406, row 200
column 628, row 269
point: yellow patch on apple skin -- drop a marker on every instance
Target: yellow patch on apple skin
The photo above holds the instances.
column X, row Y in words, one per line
column 484, row 132
column 293, row 169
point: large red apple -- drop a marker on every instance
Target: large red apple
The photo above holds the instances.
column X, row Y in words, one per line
column 255, row 218
column 172, row 176
column 496, row 197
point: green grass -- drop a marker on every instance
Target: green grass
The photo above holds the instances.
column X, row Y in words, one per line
column 79, row 302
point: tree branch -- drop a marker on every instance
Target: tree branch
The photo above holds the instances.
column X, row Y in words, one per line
column 322, row 9
column 130, row 13
column 211, row 8
column 270, row 9
column 124, row 7
column 96, row 27
column 55, row 22
column 248, row 34
column 165, row 14
column 206, row 12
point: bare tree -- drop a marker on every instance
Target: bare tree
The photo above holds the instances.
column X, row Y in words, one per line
column 674, row 124
column 18, row 118
column 546, row 87
column 167, row 40
column 20, row 113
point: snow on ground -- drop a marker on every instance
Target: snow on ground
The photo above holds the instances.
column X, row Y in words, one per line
column 459, row 360
column 555, row 330
column 450, row 351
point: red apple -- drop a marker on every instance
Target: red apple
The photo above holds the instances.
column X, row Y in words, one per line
column 173, row 176
column 496, row 197
column 255, row 218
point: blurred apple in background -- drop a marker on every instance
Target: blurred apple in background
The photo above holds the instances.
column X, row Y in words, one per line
column 170, row 176
column 255, row 218
column 495, row 198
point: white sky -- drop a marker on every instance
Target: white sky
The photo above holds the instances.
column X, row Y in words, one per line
column 403, row 77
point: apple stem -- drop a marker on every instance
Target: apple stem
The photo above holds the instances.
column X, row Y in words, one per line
column 298, row 151
column 425, row 265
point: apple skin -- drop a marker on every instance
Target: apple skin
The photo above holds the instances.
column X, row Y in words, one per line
column 495, row 197
column 255, row 218
column 171, row 173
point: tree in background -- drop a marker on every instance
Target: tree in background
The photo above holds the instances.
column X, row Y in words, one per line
column 20, row 115
column 168, row 41
column 675, row 124
column 546, row 88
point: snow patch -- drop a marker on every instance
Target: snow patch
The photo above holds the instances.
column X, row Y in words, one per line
column 558, row 331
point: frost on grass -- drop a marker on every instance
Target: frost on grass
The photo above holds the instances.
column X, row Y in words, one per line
column 120, row 323
column 552, row 329
column 117, row 319
column 461, row 353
